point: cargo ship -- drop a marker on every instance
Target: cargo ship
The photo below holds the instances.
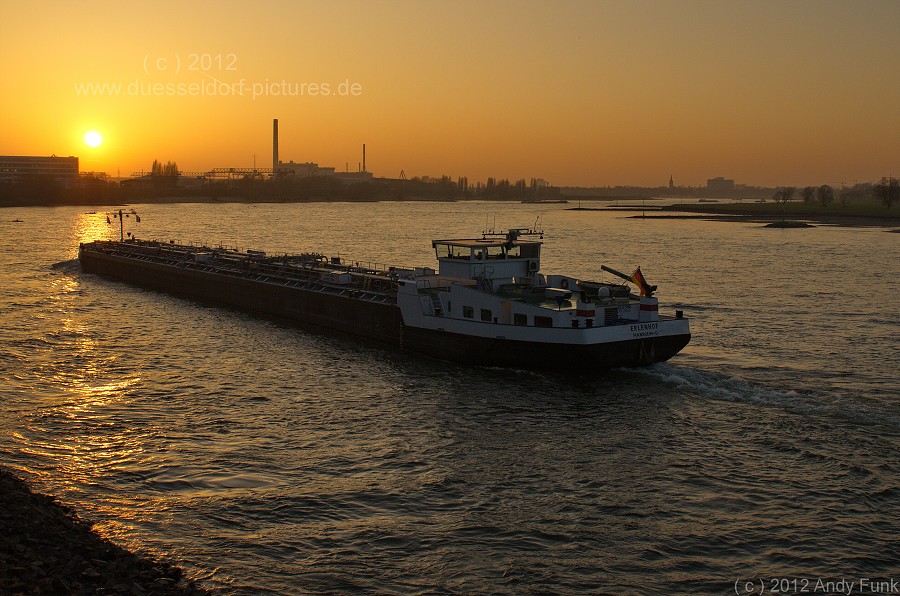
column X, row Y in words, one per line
column 488, row 303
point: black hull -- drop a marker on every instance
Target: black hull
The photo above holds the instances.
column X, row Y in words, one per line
column 378, row 322
column 482, row 351
column 374, row 321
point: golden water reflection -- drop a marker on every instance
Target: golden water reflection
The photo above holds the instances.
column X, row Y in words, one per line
column 89, row 425
column 93, row 226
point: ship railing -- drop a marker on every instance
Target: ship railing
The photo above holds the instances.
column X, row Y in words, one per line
column 314, row 274
column 294, row 270
column 370, row 267
column 191, row 248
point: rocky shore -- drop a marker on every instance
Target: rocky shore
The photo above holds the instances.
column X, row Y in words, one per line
column 46, row 549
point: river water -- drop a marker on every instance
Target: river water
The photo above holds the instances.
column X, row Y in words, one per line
column 264, row 459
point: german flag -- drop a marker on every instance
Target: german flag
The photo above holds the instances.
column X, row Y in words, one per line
column 638, row 278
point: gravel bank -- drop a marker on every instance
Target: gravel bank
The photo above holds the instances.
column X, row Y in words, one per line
column 46, row 549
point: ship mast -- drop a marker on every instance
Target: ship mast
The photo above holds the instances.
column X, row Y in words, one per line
column 121, row 215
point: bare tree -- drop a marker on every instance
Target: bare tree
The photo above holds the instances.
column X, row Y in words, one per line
column 826, row 195
column 785, row 194
column 844, row 196
column 808, row 193
column 888, row 190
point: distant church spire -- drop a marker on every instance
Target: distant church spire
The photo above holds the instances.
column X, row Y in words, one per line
column 671, row 182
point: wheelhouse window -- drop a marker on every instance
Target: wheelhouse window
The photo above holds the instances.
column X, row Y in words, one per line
column 495, row 252
column 486, row 314
column 452, row 251
column 462, row 252
column 468, row 312
column 520, row 319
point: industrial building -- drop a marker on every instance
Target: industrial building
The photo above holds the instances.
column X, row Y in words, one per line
column 302, row 169
column 720, row 184
column 305, row 169
column 16, row 168
column 279, row 168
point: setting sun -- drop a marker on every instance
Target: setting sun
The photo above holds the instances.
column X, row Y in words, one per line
column 93, row 138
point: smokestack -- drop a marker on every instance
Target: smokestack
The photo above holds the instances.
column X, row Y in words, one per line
column 274, row 145
column 364, row 157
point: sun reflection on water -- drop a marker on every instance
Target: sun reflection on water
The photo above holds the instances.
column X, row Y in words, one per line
column 89, row 425
column 88, row 227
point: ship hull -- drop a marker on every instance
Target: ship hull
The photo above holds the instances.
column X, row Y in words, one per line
column 506, row 353
column 374, row 321
column 379, row 322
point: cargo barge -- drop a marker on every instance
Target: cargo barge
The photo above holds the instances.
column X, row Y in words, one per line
column 487, row 304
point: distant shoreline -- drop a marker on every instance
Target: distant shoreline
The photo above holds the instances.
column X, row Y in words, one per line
column 762, row 213
column 849, row 221
column 868, row 214
column 729, row 212
column 235, row 200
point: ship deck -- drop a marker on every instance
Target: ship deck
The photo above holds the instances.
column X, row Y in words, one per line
column 309, row 270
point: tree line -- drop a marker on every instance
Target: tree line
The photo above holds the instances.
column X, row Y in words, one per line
column 887, row 191
column 170, row 168
column 165, row 180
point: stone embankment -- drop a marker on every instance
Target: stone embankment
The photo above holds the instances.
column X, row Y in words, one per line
column 46, row 549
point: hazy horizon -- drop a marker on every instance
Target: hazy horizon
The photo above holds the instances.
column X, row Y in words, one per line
column 577, row 93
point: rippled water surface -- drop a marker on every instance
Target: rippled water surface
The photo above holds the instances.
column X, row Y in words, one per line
column 263, row 458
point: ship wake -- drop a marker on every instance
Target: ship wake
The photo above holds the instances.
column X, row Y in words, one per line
column 804, row 401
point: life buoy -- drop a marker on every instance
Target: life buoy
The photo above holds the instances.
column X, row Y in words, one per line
column 564, row 284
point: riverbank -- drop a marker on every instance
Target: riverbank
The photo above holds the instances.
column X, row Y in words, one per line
column 46, row 549
column 857, row 213
column 845, row 221
column 168, row 200
column 866, row 212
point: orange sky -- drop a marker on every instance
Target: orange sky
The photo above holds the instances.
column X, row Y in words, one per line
column 579, row 93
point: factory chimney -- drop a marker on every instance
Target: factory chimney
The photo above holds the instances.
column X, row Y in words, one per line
column 274, row 145
column 364, row 157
